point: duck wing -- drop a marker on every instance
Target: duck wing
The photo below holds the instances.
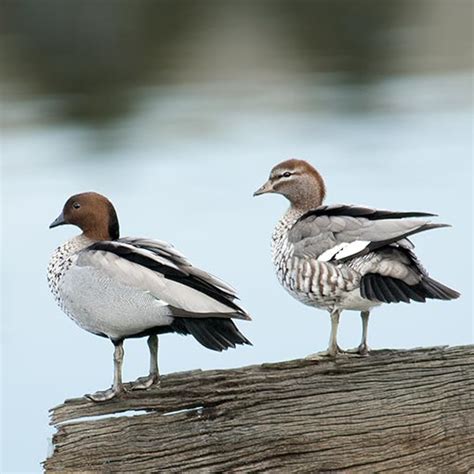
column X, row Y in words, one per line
column 342, row 232
column 166, row 250
column 160, row 270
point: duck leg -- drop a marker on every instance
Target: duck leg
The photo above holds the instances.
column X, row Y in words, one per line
column 153, row 378
column 363, row 348
column 117, row 387
column 333, row 348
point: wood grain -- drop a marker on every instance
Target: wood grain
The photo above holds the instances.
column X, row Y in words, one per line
column 394, row 411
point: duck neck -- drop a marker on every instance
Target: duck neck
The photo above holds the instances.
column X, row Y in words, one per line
column 294, row 213
column 286, row 222
column 74, row 245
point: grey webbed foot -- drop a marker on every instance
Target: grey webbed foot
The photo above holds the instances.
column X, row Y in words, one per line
column 362, row 349
column 104, row 395
column 330, row 352
column 142, row 383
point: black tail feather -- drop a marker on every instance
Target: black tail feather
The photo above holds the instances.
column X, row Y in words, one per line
column 398, row 292
column 436, row 290
column 385, row 289
column 217, row 334
column 383, row 292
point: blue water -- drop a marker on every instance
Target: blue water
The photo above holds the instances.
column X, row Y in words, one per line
column 182, row 167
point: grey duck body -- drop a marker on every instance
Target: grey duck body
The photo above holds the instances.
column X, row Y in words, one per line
column 104, row 289
column 98, row 301
column 321, row 259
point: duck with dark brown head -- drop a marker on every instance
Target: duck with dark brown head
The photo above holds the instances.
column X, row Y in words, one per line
column 121, row 288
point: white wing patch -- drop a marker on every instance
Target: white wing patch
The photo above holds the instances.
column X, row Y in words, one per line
column 344, row 250
column 329, row 254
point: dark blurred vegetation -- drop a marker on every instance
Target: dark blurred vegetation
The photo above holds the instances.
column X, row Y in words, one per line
column 91, row 56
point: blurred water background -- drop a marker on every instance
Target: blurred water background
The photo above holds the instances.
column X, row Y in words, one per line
column 177, row 110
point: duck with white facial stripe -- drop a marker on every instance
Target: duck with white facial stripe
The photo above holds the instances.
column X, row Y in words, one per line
column 341, row 257
column 133, row 287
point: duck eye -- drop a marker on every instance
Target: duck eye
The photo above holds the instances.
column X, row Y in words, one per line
column 76, row 205
column 286, row 174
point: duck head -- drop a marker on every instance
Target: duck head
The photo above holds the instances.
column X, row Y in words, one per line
column 93, row 213
column 298, row 181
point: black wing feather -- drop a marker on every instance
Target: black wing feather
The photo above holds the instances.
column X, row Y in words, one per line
column 359, row 211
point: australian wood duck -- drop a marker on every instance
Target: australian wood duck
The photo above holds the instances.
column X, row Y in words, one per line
column 340, row 257
column 132, row 287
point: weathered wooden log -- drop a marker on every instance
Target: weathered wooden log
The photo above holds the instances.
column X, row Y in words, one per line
column 394, row 411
